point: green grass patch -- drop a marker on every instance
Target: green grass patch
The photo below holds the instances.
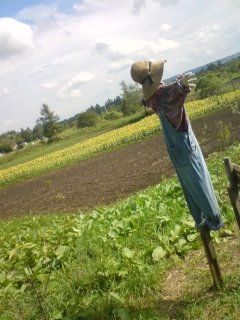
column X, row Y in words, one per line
column 110, row 263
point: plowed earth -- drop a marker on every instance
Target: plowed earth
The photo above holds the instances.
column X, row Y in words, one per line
column 110, row 176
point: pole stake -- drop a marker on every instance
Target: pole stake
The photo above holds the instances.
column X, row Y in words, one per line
column 233, row 174
column 211, row 257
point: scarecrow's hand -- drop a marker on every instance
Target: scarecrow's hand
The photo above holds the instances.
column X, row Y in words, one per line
column 188, row 80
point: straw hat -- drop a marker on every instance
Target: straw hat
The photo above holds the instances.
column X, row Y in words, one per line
column 148, row 74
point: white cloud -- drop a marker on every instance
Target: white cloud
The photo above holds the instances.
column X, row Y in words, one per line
column 120, row 65
column 207, row 33
column 116, row 48
column 166, row 27
column 164, row 45
column 71, row 89
column 15, row 37
column 208, row 51
column 137, row 6
column 4, row 91
column 81, row 77
column 75, row 93
column 10, row 122
column 90, row 5
column 166, row 3
column 49, row 85
column 37, row 12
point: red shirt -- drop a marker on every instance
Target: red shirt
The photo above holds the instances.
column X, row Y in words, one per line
column 174, row 96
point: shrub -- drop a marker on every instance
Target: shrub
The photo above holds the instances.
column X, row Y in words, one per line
column 6, row 145
column 113, row 115
column 209, row 85
column 87, row 119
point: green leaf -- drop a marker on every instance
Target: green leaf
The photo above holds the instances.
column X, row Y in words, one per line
column 113, row 233
column 127, row 253
column 27, row 271
column 60, row 251
column 23, row 287
column 2, row 278
column 123, row 314
column 122, row 273
column 181, row 242
column 192, row 237
column 158, row 253
column 12, row 253
column 115, row 298
column 175, row 232
column 189, row 223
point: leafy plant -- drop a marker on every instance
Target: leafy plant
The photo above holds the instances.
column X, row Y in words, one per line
column 104, row 264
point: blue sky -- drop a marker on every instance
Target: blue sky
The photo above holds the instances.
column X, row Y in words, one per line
column 73, row 54
column 10, row 8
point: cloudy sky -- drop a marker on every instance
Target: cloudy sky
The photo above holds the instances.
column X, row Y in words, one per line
column 72, row 54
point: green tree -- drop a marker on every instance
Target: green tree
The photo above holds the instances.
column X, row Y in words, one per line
column 49, row 123
column 131, row 102
column 87, row 119
column 26, row 135
column 6, row 145
column 209, row 85
column 37, row 131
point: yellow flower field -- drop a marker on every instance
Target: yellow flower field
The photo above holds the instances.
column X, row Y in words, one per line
column 107, row 141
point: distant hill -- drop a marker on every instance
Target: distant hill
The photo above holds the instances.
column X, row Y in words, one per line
column 206, row 66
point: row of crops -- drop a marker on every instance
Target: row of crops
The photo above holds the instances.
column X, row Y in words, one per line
column 104, row 265
column 107, row 141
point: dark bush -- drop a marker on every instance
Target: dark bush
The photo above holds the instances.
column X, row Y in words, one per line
column 87, row 119
column 6, row 145
column 113, row 115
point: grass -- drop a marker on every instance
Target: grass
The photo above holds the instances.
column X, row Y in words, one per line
column 190, row 297
column 140, row 258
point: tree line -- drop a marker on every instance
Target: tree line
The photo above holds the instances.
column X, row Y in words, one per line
column 48, row 126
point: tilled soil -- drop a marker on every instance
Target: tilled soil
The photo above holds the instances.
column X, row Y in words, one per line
column 113, row 175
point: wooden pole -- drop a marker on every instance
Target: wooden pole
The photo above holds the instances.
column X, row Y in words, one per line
column 211, row 257
column 233, row 189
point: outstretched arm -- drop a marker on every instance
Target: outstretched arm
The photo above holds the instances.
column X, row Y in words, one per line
column 181, row 86
column 187, row 80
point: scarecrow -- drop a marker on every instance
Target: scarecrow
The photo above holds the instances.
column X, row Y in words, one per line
column 167, row 101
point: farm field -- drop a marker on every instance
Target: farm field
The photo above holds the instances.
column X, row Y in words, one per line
column 108, row 141
column 114, row 175
column 137, row 259
column 111, row 237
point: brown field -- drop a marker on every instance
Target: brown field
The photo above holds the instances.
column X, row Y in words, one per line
column 110, row 176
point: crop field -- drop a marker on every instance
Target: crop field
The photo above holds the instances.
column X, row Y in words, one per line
column 139, row 257
column 114, row 175
column 108, row 141
column 113, row 262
